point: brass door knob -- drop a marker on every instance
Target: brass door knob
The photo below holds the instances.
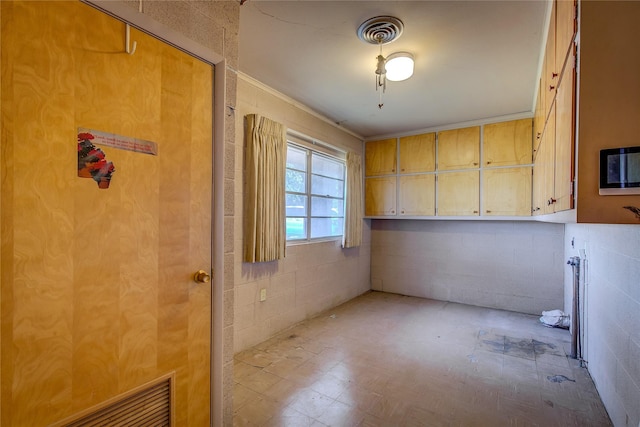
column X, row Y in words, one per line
column 201, row 276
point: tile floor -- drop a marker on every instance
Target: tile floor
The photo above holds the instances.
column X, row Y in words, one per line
column 389, row 360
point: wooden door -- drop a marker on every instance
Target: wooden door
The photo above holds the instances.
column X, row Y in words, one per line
column 550, row 160
column 417, row 194
column 98, row 295
column 565, row 139
column 380, row 196
column 540, row 178
column 418, row 153
column 565, row 30
column 459, row 193
column 550, row 72
column 459, row 148
column 507, row 143
column 539, row 120
column 380, row 157
column 507, row 191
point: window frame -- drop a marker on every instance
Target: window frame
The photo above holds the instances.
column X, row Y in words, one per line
column 329, row 153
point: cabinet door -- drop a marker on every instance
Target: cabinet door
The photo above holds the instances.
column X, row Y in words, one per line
column 507, row 191
column 380, row 157
column 418, row 153
column 417, row 195
column 539, row 194
column 459, row 148
column 564, row 140
column 543, row 172
column 507, row 143
column 565, row 29
column 549, row 140
column 538, row 120
column 380, row 196
column 550, row 73
column 459, row 193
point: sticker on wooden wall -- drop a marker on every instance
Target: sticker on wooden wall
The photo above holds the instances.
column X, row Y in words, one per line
column 92, row 162
column 91, row 159
column 122, row 142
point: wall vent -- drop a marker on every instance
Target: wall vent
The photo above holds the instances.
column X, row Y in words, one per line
column 148, row 405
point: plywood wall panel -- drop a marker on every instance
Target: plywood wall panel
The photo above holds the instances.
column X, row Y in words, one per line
column 38, row 259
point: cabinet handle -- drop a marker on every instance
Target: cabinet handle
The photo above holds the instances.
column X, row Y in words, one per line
column 402, row 211
column 552, row 87
column 475, row 211
column 538, row 135
column 393, row 211
column 475, row 164
column 535, row 210
column 554, row 75
column 551, row 201
column 488, row 163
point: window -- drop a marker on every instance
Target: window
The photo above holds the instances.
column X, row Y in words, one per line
column 314, row 194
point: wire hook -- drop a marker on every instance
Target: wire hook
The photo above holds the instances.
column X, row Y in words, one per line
column 127, row 37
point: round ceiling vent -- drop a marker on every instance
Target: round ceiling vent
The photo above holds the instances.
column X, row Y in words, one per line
column 380, row 30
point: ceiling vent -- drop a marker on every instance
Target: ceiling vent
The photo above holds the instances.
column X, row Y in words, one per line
column 380, row 30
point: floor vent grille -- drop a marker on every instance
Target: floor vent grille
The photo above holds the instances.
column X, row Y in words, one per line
column 149, row 405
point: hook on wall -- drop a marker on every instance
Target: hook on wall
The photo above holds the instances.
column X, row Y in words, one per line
column 130, row 50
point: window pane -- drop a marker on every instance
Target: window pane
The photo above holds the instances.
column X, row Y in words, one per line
column 322, row 206
column 296, row 228
column 296, row 205
column 325, row 227
column 324, row 166
column 323, row 186
column 296, row 158
column 320, row 215
column 296, row 181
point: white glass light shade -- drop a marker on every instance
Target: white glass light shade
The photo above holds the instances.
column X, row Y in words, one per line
column 399, row 66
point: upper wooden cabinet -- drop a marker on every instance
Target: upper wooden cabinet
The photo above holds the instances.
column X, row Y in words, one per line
column 380, row 157
column 417, row 195
column 538, row 120
column 380, row 196
column 554, row 127
column 459, row 148
column 542, row 178
column 565, row 140
column 566, row 14
column 418, row 153
column 544, row 197
column 507, row 191
column 554, row 172
column 459, row 193
column 507, row 143
column 420, row 187
column 550, row 74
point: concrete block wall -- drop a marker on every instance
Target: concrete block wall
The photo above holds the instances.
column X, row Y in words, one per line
column 314, row 276
column 612, row 303
column 509, row 265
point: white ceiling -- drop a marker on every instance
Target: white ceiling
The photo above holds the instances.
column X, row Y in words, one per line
column 475, row 60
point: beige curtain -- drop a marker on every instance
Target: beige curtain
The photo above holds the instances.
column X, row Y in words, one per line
column 264, row 197
column 353, row 205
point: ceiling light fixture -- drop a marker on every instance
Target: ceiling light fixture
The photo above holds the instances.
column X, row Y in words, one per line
column 399, row 66
column 396, row 67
